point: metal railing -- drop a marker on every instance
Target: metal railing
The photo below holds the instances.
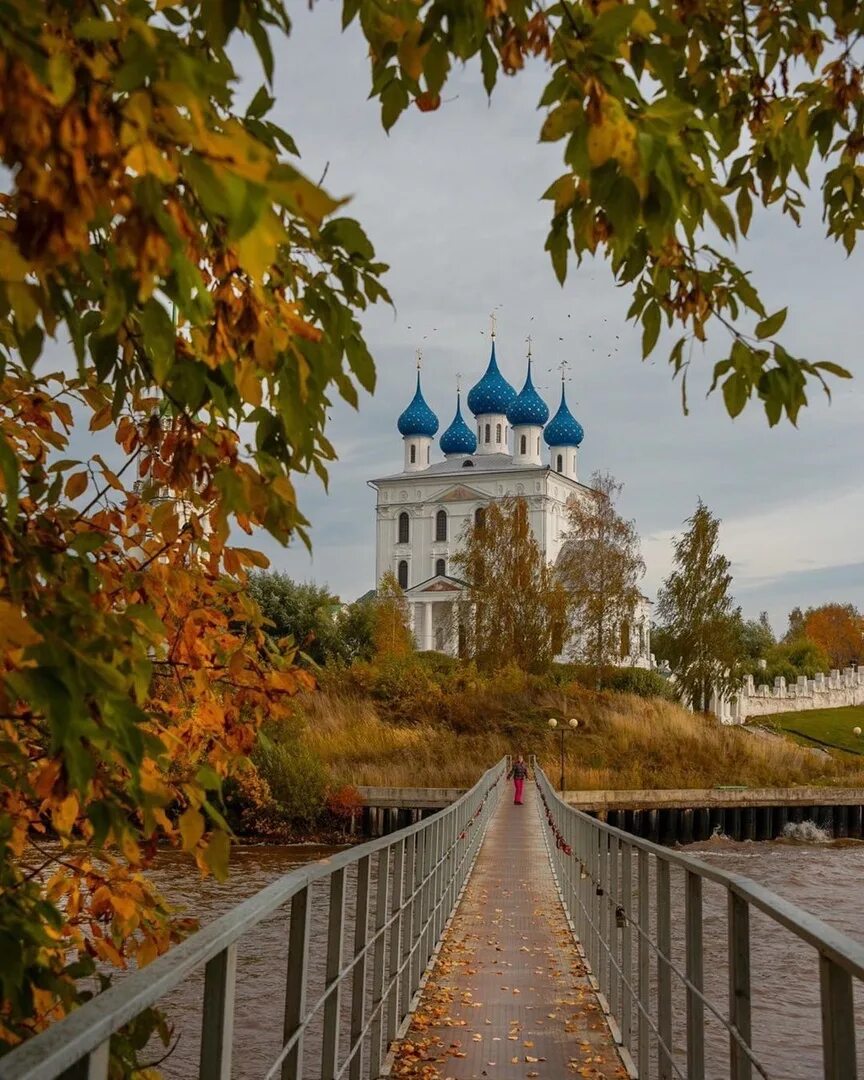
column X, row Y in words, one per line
column 618, row 893
column 403, row 890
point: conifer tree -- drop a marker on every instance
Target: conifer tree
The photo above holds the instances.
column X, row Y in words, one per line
column 601, row 566
column 695, row 606
column 516, row 611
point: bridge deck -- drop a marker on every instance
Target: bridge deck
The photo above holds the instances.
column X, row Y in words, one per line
column 508, row 997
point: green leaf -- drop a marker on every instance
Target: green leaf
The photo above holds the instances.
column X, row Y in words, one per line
column 61, row 77
column 651, row 327
column 833, row 369
column 9, row 469
column 159, row 343
column 768, row 327
column 744, row 209
column 394, row 101
column 348, row 234
column 489, row 66
column 260, row 104
column 736, row 391
column 557, row 244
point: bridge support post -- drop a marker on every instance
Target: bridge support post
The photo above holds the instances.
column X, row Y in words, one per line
column 739, row 986
column 694, row 962
column 397, row 892
column 382, row 879
column 838, row 1020
column 217, row 1023
column 664, row 971
column 295, row 988
column 332, row 1010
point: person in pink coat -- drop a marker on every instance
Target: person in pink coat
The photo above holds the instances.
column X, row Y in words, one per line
column 519, row 772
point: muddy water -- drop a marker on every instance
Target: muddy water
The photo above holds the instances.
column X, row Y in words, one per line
column 824, row 877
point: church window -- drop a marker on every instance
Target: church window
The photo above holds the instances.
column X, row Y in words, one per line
column 468, row 464
column 625, row 638
column 403, row 528
column 523, row 445
column 574, row 463
column 427, row 455
column 497, row 433
column 560, row 465
column 488, row 433
column 403, row 574
column 440, row 567
column 413, row 453
column 538, row 444
column 441, row 525
column 479, row 515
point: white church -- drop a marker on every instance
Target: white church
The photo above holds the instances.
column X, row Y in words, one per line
column 423, row 509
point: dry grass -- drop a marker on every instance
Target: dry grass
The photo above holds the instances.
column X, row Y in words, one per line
column 623, row 742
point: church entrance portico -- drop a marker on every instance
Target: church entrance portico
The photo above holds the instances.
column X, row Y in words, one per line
column 432, row 608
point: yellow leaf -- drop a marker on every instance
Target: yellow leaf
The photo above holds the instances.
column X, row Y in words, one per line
column 15, row 630
column 256, row 250
column 65, row 814
column 124, row 906
column 146, row 158
column 191, row 828
column 216, row 855
column 248, row 382
column 76, row 485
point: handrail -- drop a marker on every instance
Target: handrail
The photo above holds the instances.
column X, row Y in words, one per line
column 594, row 864
column 430, row 861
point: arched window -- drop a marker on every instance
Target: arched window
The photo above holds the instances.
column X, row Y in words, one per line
column 468, row 464
column 413, row 453
column 440, row 567
column 497, row 433
column 403, row 528
column 427, row 455
column 523, row 445
column 488, row 432
column 625, row 638
column 538, row 444
column 479, row 516
column 560, row 465
column 574, row 463
column 441, row 525
column 403, row 574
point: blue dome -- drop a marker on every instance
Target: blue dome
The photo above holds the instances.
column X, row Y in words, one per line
column 493, row 393
column 528, row 407
column 458, row 438
column 565, row 429
column 418, row 418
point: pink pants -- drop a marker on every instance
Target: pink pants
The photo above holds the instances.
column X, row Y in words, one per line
column 517, row 794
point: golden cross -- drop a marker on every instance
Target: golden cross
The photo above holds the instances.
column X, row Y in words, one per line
column 494, row 323
column 529, row 339
column 419, row 359
column 458, row 381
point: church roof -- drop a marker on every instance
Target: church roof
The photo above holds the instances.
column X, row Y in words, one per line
column 564, row 429
column 458, row 438
column 418, row 418
column 528, row 407
column 493, row 393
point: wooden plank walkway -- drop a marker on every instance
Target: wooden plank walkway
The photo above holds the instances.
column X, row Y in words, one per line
column 508, row 998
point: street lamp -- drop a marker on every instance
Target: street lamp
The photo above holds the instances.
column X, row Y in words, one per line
column 572, row 723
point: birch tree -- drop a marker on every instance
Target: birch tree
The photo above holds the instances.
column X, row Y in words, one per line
column 516, row 608
column 699, row 614
column 601, row 566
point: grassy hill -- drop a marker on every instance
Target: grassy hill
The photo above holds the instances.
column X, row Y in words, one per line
column 427, row 729
column 830, row 728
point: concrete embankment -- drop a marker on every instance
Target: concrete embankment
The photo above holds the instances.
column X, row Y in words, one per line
column 693, row 815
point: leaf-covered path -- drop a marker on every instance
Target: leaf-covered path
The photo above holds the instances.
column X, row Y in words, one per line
column 508, row 998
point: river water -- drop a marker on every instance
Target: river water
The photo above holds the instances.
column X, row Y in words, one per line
column 821, row 876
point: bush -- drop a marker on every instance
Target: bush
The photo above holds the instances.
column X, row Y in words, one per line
column 295, row 777
column 639, row 681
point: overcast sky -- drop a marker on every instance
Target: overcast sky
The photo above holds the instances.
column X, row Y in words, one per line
column 450, row 200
